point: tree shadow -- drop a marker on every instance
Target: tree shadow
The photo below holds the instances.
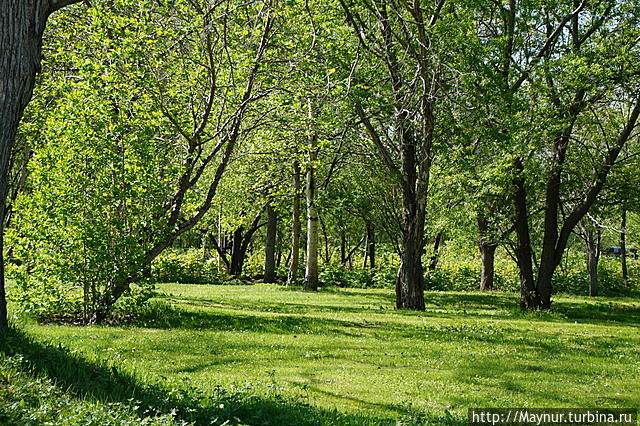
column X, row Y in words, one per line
column 101, row 381
column 163, row 315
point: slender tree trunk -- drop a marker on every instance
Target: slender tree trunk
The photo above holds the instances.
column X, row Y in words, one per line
column 311, row 273
column 434, row 255
column 343, row 247
column 237, row 254
column 270, row 245
column 623, row 247
column 365, row 254
column 371, row 244
column 292, row 278
column 524, row 253
column 487, row 254
column 592, row 236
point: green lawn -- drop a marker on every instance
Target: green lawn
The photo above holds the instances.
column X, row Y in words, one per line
column 267, row 353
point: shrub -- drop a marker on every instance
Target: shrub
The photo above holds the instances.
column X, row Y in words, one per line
column 185, row 266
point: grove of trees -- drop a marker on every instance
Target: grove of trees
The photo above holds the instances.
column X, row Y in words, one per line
column 304, row 142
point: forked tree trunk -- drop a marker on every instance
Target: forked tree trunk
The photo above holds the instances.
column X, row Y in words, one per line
column 270, row 245
column 311, row 273
column 292, row 277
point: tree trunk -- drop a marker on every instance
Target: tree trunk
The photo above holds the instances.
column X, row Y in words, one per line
column 371, row 245
column 487, row 257
column 524, row 253
column 434, row 255
column 343, row 247
column 237, row 253
column 270, row 245
column 592, row 236
column 311, row 273
column 292, row 277
column 4, row 320
column 487, row 254
column 410, row 279
column 623, row 247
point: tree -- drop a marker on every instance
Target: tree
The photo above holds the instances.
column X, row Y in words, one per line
column 555, row 93
column 405, row 39
column 199, row 87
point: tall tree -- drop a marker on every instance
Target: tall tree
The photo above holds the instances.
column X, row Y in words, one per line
column 311, row 270
column 405, row 39
column 292, row 277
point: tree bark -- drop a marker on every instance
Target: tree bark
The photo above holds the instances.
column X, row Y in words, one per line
column 487, row 257
column 524, row 253
column 292, row 277
column 311, row 273
column 434, row 255
column 371, row 244
column 487, row 248
column 270, row 245
column 4, row 320
column 623, row 247
column 591, row 234
column 236, row 262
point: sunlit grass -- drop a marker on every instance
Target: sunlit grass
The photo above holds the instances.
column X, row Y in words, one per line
column 349, row 350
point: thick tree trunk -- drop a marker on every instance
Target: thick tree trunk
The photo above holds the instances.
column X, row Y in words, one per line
column 236, row 262
column 623, row 247
column 311, row 273
column 371, row 244
column 410, row 279
column 270, row 245
column 487, row 257
column 292, row 277
column 524, row 253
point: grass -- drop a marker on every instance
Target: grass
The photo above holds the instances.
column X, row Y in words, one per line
column 271, row 355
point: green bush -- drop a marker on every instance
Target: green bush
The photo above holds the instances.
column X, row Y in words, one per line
column 185, row 266
column 338, row 275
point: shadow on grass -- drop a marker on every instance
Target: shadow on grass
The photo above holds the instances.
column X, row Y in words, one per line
column 163, row 315
column 101, row 381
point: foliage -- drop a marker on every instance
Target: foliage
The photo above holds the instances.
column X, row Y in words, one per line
column 185, row 266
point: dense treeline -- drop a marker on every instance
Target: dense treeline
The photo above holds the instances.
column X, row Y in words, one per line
column 427, row 144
